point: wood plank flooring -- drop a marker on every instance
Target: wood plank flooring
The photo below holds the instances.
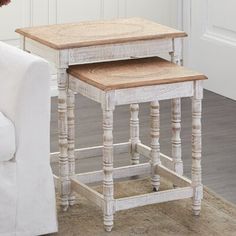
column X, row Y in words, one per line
column 219, row 136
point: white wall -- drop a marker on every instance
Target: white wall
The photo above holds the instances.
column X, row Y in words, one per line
column 24, row 13
column 211, row 45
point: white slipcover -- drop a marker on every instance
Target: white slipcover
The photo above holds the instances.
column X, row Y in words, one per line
column 7, row 137
column 27, row 197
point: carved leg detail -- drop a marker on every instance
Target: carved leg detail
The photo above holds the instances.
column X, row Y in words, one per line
column 62, row 127
column 108, row 188
column 134, row 133
column 176, row 116
column 176, row 140
column 71, row 138
column 155, row 146
column 196, row 155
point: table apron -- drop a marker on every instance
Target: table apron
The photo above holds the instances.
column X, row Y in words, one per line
column 133, row 95
column 154, row 93
column 110, row 52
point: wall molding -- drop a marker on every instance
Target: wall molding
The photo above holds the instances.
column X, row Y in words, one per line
column 33, row 12
column 186, row 26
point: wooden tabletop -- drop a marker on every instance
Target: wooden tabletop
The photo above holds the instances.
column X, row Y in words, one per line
column 74, row 35
column 133, row 73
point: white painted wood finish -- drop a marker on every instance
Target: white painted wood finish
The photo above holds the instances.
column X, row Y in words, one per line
column 87, row 192
column 176, row 179
column 176, row 57
column 155, row 144
column 63, row 135
column 197, row 148
column 92, row 54
column 176, row 140
column 71, row 138
column 118, row 173
column 186, row 191
column 133, row 170
column 108, row 188
column 152, row 198
column 211, row 47
column 111, row 52
column 134, row 133
column 132, row 95
column 82, row 153
column 165, row 160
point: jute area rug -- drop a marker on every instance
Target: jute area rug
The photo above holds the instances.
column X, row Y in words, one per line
column 218, row 217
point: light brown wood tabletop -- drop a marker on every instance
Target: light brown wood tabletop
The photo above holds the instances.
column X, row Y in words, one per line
column 72, row 35
column 133, row 73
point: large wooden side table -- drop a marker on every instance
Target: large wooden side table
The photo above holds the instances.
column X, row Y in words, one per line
column 95, row 41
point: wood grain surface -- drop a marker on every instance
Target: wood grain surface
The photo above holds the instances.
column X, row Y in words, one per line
column 133, row 73
column 90, row 33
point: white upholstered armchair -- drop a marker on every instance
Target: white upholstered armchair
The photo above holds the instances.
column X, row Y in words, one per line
column 27, row 197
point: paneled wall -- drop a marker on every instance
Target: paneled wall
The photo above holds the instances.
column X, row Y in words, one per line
column 23, row 13
column 211, row 45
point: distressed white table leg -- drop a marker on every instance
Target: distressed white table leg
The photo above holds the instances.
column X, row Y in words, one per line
column 176, row 140
column 62, row 129
column 71, row 138
column 134, row 133
column 176, row 113
column 197, row 148
column 108, row 188
column 155, row 146
column 176, row 54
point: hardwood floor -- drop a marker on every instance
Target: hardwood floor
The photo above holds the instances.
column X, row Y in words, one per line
column 219, row 136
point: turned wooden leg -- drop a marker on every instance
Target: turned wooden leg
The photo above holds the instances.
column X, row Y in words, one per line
column 71, row 138
column 155, row 146
column 134, row 133
column 62, row 127
column 197, row 149
column 108, row 188
column 176, row 114
column 176, row 140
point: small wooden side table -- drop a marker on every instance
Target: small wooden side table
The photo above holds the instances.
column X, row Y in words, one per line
column 88, row 42
column 131, row 82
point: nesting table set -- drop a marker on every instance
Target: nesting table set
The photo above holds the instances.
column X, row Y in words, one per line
column 115, row 63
